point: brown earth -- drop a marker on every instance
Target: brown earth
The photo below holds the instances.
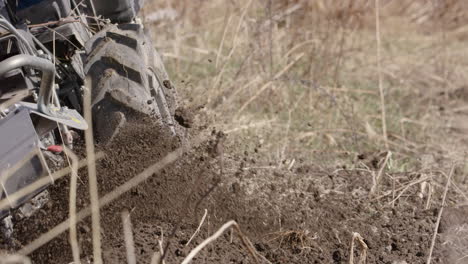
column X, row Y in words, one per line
column 298, row 215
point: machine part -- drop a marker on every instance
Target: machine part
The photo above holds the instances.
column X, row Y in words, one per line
column 4, row 23
column 77, row 64
column 55, row 149
column 74, row 31
column 21, row 160
column 6, row 227
column 41, row 11
column 118, row 11
column 24, row 211
column 62, row 115
column 127, row 76
column 54, row 160
column 47, row 80
column 29, row 208
column 15, row 83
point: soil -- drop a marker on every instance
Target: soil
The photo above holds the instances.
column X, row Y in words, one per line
column 301, row 214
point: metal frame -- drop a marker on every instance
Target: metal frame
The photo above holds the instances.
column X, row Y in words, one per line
column 47, row 80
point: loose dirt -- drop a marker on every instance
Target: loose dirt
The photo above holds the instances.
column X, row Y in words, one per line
column 301, row 214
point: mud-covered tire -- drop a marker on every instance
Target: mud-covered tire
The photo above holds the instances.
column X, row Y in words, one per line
column 127, row 78
column 118, row 11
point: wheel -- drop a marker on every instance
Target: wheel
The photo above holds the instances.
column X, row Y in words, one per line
column 118, row 11
column 127, row 79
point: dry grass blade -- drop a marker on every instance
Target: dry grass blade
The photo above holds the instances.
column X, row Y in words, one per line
column 15, row 99
column 14, row 259
column 439, row 216
column 72, row 205
column 95, row 14
column 156, row 259
column 199, row 227
column 376, row 179
column 363, row 246
column 221, row 44
column 93, row 185
column 158, row 256
column 215, row 236
column 128, row 235
column 379, row 68
column 268, row 84
column 405, row 188
column 234, row 44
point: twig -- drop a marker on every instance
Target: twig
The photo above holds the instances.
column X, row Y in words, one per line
column 95, row 14
column 157, row 256
column 379, row 66
column 364, row 248
column 16, row 259
column 58, row 22
column 436, row 227
column 404, row 189
column 13, row 100
column 376, row 179
column 221, row 44
column 72, row 205
column 270, row 36
column 161, row 248
column 267, row 85
column 93, row 185
column 216, row 235
column 198, row 229
column 429, row 196
column 128, row 235
column 234, row 44
column 393, row 190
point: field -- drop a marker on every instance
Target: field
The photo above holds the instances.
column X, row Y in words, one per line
column 329, row 131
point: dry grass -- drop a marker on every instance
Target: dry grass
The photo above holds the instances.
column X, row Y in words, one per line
column 362, row 246
column 299, row 79
column 307, row 74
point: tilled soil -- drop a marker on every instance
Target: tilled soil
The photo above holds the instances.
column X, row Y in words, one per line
column 298, row 215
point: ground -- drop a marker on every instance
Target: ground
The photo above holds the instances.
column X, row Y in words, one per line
column 286, row 136
column 297, row 215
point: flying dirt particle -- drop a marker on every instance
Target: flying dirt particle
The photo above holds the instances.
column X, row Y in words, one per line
column 336, row 256
column 394, row 246
column 236, row 187
column 260, row 247
column 217, row 145
column 180, row 253
column 84, row 229
column 167, row 84
column 184, row 117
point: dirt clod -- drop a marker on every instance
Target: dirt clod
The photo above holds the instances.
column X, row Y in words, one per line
column 184, row 117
